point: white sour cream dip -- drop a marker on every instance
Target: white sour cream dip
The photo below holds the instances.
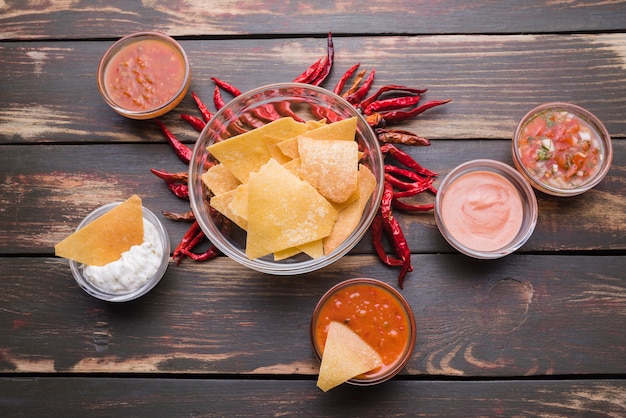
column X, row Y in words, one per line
column 134, row 268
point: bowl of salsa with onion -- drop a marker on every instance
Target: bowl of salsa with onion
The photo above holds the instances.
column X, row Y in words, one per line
column 144, row 75
column 378, row 313
column 562, row 149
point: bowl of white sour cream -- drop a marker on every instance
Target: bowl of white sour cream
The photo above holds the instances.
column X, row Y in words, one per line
column 136, row 272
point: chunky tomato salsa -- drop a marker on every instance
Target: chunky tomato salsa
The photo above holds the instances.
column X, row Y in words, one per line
column 144, row 75
column 560, row 149
column 376, row 315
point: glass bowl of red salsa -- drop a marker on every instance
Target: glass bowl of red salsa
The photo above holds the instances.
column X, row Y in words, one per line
column 378, row 313
column 144, row 75
column 562, row 149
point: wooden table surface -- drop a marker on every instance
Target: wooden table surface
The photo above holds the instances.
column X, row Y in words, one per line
column 538, row 333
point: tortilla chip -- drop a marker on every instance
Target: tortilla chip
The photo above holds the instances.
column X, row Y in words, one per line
column 223, row 204
column 219, row 179
column 246, row 153
column 314, row 124
column 272, row 146
column 331, row 166
column 350, row 216
column 293, row 212
column 107, row 237
column 289, row 147
column 343, row 130
column 345, row 356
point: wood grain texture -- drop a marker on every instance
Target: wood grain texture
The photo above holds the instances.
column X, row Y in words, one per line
column 51, row 94
column 72, row 20
column 518, row 316
column 235, row 398
column 45, row 191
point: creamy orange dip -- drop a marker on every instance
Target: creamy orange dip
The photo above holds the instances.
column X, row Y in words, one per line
column 482, row 210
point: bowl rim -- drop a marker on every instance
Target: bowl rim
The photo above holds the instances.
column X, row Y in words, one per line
column 118, row 46
column 527, row 194
column 287, row 268
column 588, row 117
column 402, row 361
column 99, row 293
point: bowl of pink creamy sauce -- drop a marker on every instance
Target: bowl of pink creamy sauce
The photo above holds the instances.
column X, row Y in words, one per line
column 485, row 209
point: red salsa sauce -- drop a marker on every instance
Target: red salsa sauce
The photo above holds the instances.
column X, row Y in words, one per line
column 376, row 315
column 560, row 149
column 144, row 75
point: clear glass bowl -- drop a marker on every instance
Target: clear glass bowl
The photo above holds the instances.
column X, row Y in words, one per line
column 178, row 91
column 526, row 193
column 93, row 290
column 604, row 146
column 392, row 369
column 303, row 99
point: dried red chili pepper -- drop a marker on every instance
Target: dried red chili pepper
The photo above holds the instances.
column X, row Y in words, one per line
column 405, row 159
column 217, row 98
column 408, row 207
column 176, row 182
column 284, row 109
column 400, row 115
column 317, row 72
column 391, row 104
column 180, row 190
column 191, row 233
column 395, row 234
column 396, row 182
column 344, row 78
column 388, row 88
column 327, row 63
column 416, row 189
column 206, row 114
column 212, row 252
column 360, row 93
column 226, row 86
column 394, row 136
column 196, row 123
column 182, row 151
column 309, row 74
column 180, row 177
column 377, row 235
column 355, row 83
column 179, row 217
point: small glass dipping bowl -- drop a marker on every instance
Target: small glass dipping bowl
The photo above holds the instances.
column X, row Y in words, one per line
column 516, row 185
column 324, row 313
column 308, row 102
column 149, row 284
column 123, row 84
column 542, row 162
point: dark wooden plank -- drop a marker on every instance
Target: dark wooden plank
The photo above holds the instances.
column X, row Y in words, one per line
column 45, row 191
column 21, row 20
column 517, row 316
column 50, row 92
column 202, row 397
